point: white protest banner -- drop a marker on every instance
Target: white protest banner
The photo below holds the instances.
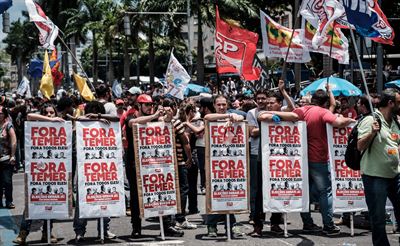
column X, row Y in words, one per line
column 227, row 168
column 285, row 167
column 156, row 169
column 48, row 157
column 100, row 169
column 347, row 185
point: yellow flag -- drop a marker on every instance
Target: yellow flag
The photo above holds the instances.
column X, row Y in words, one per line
column 46, row 84
column 83, row 88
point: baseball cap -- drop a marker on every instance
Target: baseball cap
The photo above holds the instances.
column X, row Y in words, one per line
column 135, row 90
column 119, row 101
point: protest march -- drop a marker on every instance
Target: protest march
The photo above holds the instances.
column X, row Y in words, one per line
column 260, row 122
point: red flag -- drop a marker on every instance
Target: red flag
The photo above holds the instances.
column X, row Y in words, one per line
column 235, row 49
column 55, row 72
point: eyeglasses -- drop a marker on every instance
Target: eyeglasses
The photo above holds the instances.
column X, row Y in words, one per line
column 148, row 104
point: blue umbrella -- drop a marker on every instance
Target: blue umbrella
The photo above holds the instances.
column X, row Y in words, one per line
column 196, row 89
column 337, row 85
column 393, row 84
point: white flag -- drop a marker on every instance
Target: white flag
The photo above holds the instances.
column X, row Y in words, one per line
column 24, row 88
column 48, row 30
column 177, row 78
column 116, row 89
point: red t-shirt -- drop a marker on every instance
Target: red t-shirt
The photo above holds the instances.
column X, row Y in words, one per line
column 350, row 113
column 316, row 119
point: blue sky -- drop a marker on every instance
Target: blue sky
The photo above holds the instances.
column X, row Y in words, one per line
column 15, row 13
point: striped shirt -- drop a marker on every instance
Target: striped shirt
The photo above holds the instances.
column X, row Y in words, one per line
column 180, row 152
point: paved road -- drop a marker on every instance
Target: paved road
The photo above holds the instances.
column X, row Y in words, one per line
column 10, row 219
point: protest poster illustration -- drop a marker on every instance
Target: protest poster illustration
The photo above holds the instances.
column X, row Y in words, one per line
column 285, row 167
column 100, row 169
column 48, row 179
column 156, row 169
column 347, row 186
column 227, row 168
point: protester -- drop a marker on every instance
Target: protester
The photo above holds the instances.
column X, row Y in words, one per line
column 103, row 93
column 48, row 112
column 379, row 138
column 221, row 113
column 316, row 116
column 8, row 145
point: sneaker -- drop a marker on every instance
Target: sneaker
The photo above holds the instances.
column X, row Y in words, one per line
column 202, row 191
column 186, row 225
column 21, row 238
column 53, row 238
column 257, row 232
column 128, row 212
column 330, row 231
column 236, row 232
column 313, row 228
column 10, row 205
column 212, row 231
column 173, row 232
column 136, row 234
column 79, row 238
column 109, row 235
column 277, row 229
column 251, row 222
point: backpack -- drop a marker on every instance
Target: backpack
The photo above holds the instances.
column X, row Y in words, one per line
column 352, row 155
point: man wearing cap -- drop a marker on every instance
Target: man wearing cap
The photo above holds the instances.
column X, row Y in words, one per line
column 131, row 95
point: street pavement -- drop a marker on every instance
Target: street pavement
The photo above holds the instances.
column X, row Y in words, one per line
column 10, row 221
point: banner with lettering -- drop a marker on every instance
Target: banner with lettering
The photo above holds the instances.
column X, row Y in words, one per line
column 347, row 185
column 156, row 169
column 100, row 169
column 48, row 179
column 227, row 168
column 285, row 167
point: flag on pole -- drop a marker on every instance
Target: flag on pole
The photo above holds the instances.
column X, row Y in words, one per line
column 24, row 89
column 117, row 89
column 83, row 88
column 48, row 32
column 55, row 69
column 46, row 84
column 4, row 5
column 176, row 78
column 276, row 39
column 235, row 49
column 340, row 44
column 369, row 20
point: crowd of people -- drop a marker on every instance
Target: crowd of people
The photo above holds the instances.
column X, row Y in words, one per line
column 379, row 165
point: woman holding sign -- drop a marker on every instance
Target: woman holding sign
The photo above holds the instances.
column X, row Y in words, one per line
column 47, row 113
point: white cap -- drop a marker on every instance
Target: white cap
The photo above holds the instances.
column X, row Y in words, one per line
column 135, row 90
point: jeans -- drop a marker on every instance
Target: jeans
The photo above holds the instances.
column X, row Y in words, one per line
column 201, row 158
column 80, row 224
column 319, row 175
column 377, row 190
column 26, row 224
column 134, row 196
column 6, row 173
column 213, row 219
column 184, row 191
column 193, row 173
column 254, row 184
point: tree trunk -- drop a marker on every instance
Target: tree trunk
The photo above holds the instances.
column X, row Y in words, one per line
column 151, row 54
column 200, row 51
column 127, row 63
column 95, row 58
column 110, row 65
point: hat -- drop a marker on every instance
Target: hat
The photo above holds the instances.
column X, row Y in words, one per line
column 144, row 98
column 119, row 101
column 135, row 90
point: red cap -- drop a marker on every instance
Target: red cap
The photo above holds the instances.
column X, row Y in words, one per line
column 119, row 101
column 144, row 98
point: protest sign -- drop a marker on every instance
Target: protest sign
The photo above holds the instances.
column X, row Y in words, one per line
column 347, row 185
column 100, row 169
column 227, row 168
column 48, row 157
column 156, row 169
column 285, row 167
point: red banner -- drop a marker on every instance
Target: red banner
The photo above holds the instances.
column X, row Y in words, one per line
column 235, row 49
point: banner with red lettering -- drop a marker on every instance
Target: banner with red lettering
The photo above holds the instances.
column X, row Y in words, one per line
column 156, row 169
column 48, row 157
column 347, row 185
column 100, row 169
column 285, row 167
column 227, row 168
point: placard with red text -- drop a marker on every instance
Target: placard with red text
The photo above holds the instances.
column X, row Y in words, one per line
column 285, row 167
column 347, row 185
column 227, row 168
column 156, row 169
column 48, row 157
column 100, row 169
